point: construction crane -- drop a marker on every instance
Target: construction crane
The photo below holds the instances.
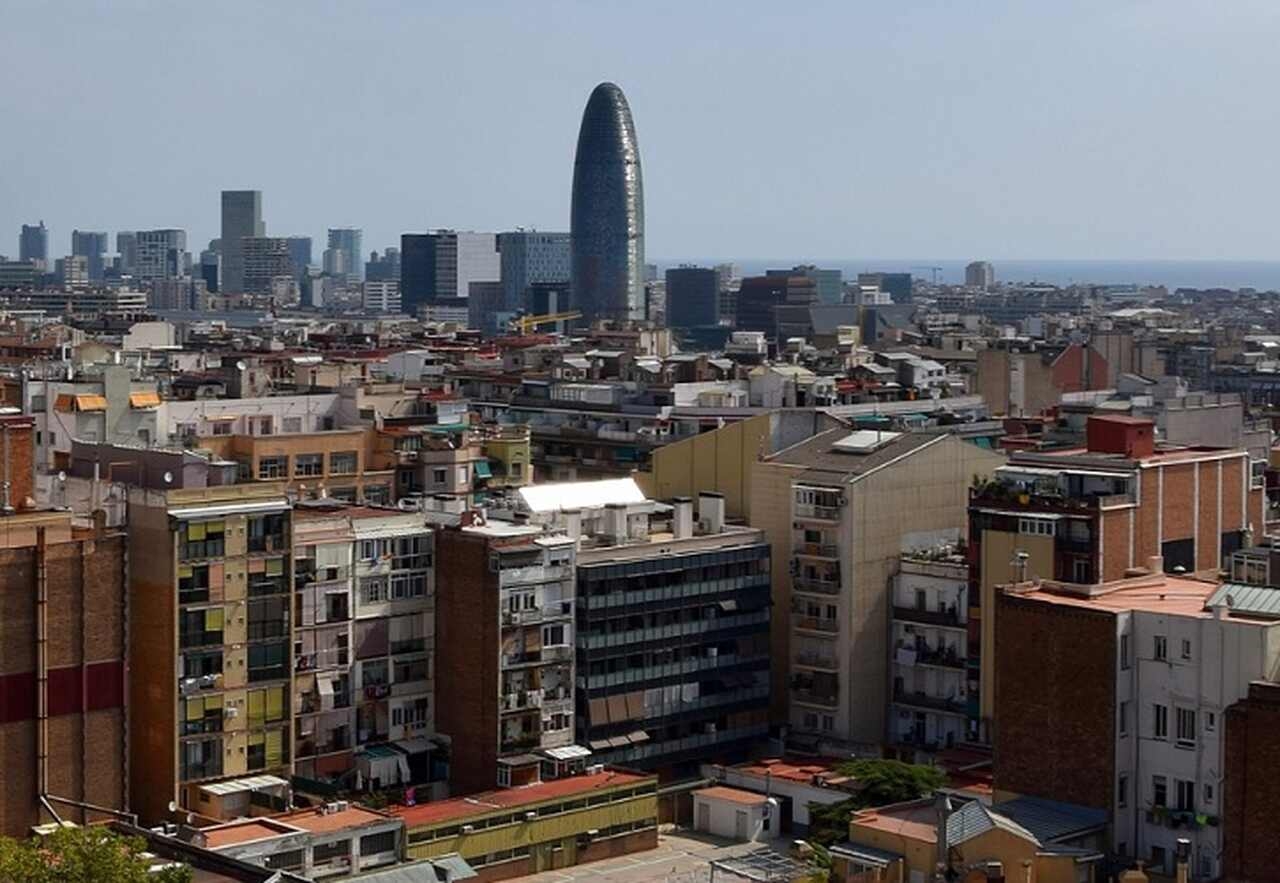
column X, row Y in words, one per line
column 934, row 270
column 525, row 324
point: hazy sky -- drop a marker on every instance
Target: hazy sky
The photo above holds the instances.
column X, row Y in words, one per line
column 1025, row 128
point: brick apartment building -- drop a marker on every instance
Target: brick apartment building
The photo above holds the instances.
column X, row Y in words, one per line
column 1089, row 515
column 61, row 655
column 1251, row 792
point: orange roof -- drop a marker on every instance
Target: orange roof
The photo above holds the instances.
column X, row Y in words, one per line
column 318, row 822
column 512, row 798
column 243, row 832
column 733, row 795
column 916, row 821
column 794, row 770
column 1160, row 593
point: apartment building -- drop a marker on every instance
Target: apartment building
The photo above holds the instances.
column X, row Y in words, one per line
column 337, row 463
column 672, row 632
column 505, row 648
column 929, row 654
column 1088, row 515
column 62, row 670
column 1136, row 676
column 210, row 650
column 841, row 507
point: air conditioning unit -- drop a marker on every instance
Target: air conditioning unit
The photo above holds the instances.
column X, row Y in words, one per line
column 468, row 829
column 530, row 816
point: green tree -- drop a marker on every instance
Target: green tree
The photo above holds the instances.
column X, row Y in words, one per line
column 82, row 855
column 879, row 782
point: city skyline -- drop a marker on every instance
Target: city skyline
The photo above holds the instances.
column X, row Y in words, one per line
column 1084, row 188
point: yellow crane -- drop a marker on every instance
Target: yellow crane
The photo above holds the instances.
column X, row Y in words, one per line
column 525, row 324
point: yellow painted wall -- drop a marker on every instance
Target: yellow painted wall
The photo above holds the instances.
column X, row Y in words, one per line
column 919, row 855
column 541, row 830
column 713, row 461
column 998, row 548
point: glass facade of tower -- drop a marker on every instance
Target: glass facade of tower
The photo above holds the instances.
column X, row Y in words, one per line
column 607, row 214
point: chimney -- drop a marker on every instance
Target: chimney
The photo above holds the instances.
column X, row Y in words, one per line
column 942, row 811
column 711, row 512
column 573, row 523
column 1155, row 563
column 615, row 522
column 1183, row 854
column 682, row 518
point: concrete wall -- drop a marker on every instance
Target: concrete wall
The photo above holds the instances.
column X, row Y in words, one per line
column 719, row 817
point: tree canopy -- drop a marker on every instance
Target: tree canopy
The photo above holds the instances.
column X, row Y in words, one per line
column 82, row 855
column 880, row 782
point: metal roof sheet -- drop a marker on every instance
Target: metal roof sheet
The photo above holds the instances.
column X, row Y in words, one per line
column 213, row 511
column 1051, row 820
column 1261, row 601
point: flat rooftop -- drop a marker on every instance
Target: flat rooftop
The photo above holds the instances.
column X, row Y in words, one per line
column 244, row 831
column 512, row 798
column 318, row 822
column 1157, row 593
column 916, row 821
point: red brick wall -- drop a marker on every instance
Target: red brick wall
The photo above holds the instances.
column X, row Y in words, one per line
column 1179, row 494
column 20, row 472
column 1207, row 539
column 1054, row 701
column 85, row 633
column 1146, row 529
column 467, row 659
column 1115, row 544
column 1251, row 790
column 1233, row 473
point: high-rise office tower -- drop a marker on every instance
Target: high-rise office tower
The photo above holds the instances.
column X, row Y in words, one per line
column 33, row 245
column 384, row 268
column 299, row 254
column 442, row 265
column 828, row 283
column 529, row 256
column 241, row 218
column 266, row 260
column 345, row 254
column 980, row 274
column 896, row 285
column 127, row 248
column 93, row 248
column 209, row 266
column 161, row 254
column 692, row 294
column 607, row 212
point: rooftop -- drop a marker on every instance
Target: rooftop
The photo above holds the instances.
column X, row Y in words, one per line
column 318, row 821
column 916, row 820
column 511, row 798
column 826, row 459
column 733, row 795
column 1154, row 593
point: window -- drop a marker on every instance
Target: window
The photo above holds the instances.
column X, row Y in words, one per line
column 293, row 424
column 408, row 585
column 1185, row 792
column 1036, row 526
column 828, row 723
column 308, row 465
column 1124, row 718
column 438, row 476
column 810, row 720
column 1160, row 722
column 373, row 591
column 1186, row 648
column 373, row 673
column 267, row 662
column 193, row 583
column 1208, row 793
column 1122, row 790
column 324, row 853
column 1186, row 727
column 1159, row 791
column 373, row 844
column 1210, row 721
column 273, row 467
column 552, row 635
column 1081, row 570
column 1158, row 858
column 284, row 861
column 1160, row 650
column 1124, row 651
column 411, row 670
column 221, row 427
column 343, row 463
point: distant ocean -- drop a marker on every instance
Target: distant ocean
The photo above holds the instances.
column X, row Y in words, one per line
column 1263, row 275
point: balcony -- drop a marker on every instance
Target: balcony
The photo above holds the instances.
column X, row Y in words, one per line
column 815, row 624
column 520, row 743
column 522, row 701
column 923, row 700
column 923, row 654
column 817, row 550
column 809, row 697
column 820, row 661
column 816, row 586
column 533, row 574
column 819, row 513
column 948, row 618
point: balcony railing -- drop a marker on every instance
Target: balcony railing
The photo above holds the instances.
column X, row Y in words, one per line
column 948, row 617
column 824, row 513
column 817, row 586
column 923, row 654
column 809, row 697
column 818, row 550
column 816, row 660
column 923, row 700
column 815, row 624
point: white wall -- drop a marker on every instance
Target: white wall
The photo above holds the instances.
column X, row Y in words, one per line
column 722, row 816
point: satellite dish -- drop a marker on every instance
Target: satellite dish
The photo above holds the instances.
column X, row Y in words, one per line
column 168, row 478
column 173, row 806
column 62, row 476
column 240, row 365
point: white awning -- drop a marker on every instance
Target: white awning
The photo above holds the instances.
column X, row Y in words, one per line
column 253, row 783
column 567, row 752
column 254, row 508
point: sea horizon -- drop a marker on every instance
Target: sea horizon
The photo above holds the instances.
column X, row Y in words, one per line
column 1171, row 273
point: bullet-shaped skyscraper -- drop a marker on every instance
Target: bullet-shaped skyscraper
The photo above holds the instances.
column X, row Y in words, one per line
column 607, row 214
